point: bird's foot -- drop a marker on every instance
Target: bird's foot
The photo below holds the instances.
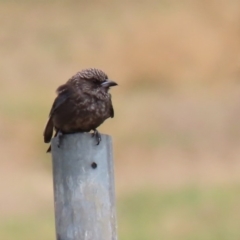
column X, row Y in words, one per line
column 97, row 135
column 60, row 136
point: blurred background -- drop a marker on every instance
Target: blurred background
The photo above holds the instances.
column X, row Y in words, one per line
column 176, row 129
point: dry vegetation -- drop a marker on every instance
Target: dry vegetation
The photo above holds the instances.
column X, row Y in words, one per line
column 177, row 106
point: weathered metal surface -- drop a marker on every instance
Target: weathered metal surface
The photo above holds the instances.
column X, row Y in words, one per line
column 84, row 195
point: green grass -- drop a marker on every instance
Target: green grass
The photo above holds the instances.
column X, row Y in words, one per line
column 187, row 214
column 38, row 227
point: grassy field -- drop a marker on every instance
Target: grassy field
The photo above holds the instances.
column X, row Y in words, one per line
column 177, row 111
column 190, row 213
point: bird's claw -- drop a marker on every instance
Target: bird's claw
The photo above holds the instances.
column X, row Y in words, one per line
column 97, row 135
column 59, row 139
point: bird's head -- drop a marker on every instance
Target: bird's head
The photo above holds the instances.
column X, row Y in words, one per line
column 94, row 81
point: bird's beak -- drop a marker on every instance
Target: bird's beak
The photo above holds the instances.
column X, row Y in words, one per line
column 108, row 83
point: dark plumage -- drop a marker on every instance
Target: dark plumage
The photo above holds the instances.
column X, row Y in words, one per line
column 82, row 104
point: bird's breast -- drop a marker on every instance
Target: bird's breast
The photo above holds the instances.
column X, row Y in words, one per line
column 91, row 113
column 82, row 114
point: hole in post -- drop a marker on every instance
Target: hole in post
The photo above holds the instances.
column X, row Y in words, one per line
column 94, row 165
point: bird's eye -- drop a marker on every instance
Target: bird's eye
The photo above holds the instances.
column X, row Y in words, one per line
column 95, row 81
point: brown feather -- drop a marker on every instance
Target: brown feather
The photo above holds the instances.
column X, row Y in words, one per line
column 82, row 104
column 48, row 132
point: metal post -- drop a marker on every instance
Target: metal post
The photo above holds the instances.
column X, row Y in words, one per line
column 83, row 181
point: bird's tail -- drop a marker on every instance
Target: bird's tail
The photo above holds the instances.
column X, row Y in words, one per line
column 48, row 132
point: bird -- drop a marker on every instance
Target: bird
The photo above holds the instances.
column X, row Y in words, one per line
column 82, row 104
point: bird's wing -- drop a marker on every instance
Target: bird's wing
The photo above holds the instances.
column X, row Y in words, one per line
column 63, row 94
